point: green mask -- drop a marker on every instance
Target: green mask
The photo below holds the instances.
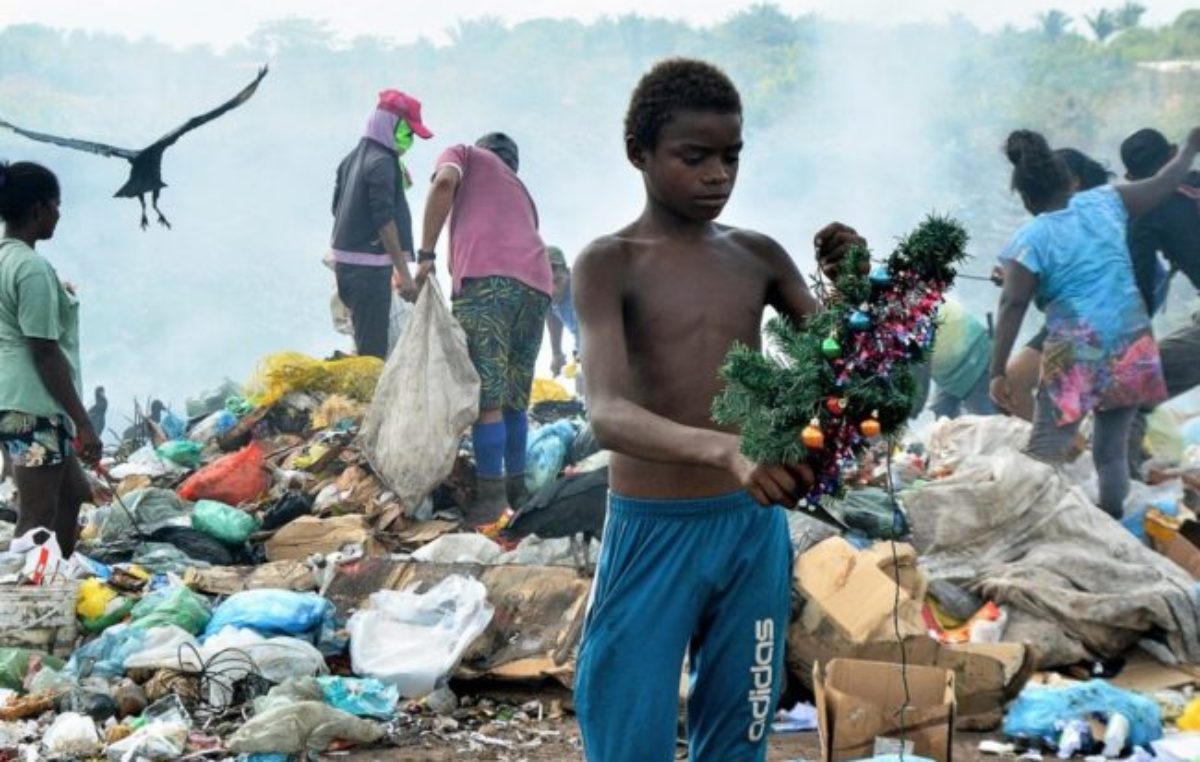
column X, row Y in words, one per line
column 404, row 136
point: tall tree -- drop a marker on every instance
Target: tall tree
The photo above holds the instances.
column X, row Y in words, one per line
column 1054, row 23
column 1103, row 23
column 1130, row 15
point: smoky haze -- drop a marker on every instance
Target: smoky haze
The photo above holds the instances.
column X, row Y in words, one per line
column 868, row 124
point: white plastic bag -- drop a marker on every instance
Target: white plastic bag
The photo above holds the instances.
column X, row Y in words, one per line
column 277, row 659
column 415, row 640
column 461, row 548
column 42, row 555
column 167, row 647
column 72, row 734
column 427, row 395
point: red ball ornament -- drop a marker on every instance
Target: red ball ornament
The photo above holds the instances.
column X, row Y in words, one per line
column 835, row 406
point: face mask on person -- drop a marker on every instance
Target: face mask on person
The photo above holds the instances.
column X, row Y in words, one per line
column 404, row 136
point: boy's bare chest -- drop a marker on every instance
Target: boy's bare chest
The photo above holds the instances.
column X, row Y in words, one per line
column 683, row 303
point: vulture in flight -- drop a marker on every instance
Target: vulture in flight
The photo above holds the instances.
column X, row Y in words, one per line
column 145, row 174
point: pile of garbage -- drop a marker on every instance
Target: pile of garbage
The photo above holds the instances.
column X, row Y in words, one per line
column 248, row 584
column 277, row 574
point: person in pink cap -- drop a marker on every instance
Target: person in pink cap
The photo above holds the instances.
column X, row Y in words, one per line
column 372, row 225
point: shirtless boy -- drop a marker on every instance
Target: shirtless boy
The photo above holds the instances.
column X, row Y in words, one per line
column 696, row 555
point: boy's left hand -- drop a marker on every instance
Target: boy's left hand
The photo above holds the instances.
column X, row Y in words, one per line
column 833, row 243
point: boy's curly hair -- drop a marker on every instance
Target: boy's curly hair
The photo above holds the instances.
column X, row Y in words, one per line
column 674, row 84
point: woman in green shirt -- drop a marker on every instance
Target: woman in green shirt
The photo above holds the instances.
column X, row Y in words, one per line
column 44, row 427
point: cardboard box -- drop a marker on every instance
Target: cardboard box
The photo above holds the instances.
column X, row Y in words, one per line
column 858, row 710
column 855, row 591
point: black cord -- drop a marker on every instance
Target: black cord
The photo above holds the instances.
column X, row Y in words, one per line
column 224, row 670
column 896, row 603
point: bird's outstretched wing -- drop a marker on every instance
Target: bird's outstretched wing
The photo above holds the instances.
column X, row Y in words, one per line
column 78, row 145
column 197, row 121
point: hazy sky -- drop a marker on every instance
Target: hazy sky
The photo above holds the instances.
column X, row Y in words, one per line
column 222, row 22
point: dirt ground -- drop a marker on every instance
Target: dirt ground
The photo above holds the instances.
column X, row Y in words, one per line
column 565, row 747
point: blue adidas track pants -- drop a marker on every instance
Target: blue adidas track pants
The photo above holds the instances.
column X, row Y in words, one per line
column 711, row 577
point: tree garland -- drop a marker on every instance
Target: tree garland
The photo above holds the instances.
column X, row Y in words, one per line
column 845, row 377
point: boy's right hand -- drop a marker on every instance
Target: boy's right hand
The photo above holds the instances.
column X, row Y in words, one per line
column 833, row 243
column 772, row 484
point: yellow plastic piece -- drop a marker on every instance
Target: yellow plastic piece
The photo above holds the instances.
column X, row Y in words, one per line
column 94, row 597
column 548, row 390
column 1190, row 720
column 281, row 374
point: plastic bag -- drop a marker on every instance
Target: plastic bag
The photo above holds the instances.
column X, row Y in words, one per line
column 1190, row 719
column 462, row 548
column 415, row 640
column 1166, row 498
column 165, row 647
column 173, row 605
column 223, row 522
column 73, row 735
column 236, row 478
column 547, row 390
column 277, row 659
column 173, row 427
column 1164, row 438
column 144, row 462
column 295, row 728
column 281, row 374
column 105, row 656
column 287, row 509
column 274, row 612
column 215, row 425
column 14, row 666
column 163, row 737
column 1190, row 431
column 195, row 545
column 547, row 451
column 1041, row 712
column 42, row 560
column 99, row 606
column 181, row 452
column 361, row 697
column 412, row 448
column 153, row 509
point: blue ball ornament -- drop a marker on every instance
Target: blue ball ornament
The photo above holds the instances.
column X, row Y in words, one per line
column 859, row 321
column 880, row 277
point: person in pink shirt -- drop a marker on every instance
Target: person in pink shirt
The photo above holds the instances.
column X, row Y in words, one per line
column 501, row 292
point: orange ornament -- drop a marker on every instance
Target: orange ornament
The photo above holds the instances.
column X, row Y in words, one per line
column 812, row 436
column 870, row 428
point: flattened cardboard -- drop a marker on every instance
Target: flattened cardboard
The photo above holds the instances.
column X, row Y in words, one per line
column 307, row 535
column 859, row 702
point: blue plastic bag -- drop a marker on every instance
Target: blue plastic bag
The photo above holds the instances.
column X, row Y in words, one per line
column 105, row 656
column 173, row 426
column 361, row 697
column 546, row 453
column 276, row 612
column 1041, row 712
